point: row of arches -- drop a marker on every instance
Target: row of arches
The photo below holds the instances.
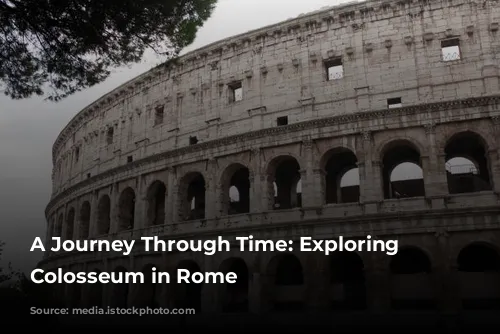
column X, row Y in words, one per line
column 412, row 283
column 467, row 170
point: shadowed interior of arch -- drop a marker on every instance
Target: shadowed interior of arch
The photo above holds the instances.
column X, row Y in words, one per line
column 479, row 274
column 285, row 183
column 286, row 283
column 341, row 181
column 236, row 190
column 411, row 280
column 347, row 282
column 193, row 197
column 402, row 171
column 126, row 215
column 120, row 291
column 156, row 203
column 84, row 228
column 467, row 166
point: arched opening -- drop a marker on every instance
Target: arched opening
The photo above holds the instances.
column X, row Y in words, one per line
column 146, row 294
column 193, row 197
column 70, row 223
column 58, row 227
column 234, row 297
column 126, row 205
column 479, row 271
column 287, row 278
column 236, row 190
column 103, row 215
column 402, row 171
column 84, row 220
column 347, row 282
column 467, row 166
column 285, row 177
column 156, row 203
column 341, row 176
column 95, row 292
column 188, row 295
column 119, row 291
column 411, row 280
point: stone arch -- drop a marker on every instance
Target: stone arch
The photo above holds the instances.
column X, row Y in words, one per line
column 192, row 191
column 58, row 226
column 84, row 221
column 119, row 291
column 411, row 267
column 70, row 224
column 479, row 276
column 155, row 197
column 126, row 210
column 340, row 166
column 401, row 167
column 285, row 174
column 235, row 297
column 286, row 282
column 467, row 163
column 347, row 281
column 235, row 180
column 103, row 215
column 187, row 295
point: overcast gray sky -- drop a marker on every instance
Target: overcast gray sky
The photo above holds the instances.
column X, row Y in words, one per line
column 29, row 127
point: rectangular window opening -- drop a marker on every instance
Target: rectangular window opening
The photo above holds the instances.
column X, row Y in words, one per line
column 394, row 103
column 193, row 140
column 88, row 175
column 109, row 136
column 280, row 121
column 159, row 115
column 236, row 92
column 130, row 159
column 450, row 49
column 334, row 69
column 77, row 154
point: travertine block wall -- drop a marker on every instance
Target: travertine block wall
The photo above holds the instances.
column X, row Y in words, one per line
column 388, row 50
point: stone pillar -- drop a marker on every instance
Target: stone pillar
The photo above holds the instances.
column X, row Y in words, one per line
column 317, row 283
column 255, row 292
column 310, row 176
column 140, row 214
column 77, row 221
column 256, row 186
column 447, row 284
column 378, row 287
column 370, row 176
column 434, row 170
column 114, row 209
column 94, row 214
column 171, row 206
column 212, row 192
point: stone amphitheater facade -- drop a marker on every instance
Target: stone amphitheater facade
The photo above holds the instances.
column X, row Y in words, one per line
column 280, row 115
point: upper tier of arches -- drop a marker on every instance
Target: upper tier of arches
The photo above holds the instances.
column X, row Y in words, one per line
column 248, row 83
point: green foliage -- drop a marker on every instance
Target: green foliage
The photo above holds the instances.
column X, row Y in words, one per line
column 68, row 45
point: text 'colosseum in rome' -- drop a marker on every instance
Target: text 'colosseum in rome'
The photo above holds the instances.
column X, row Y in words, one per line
column 376, row 118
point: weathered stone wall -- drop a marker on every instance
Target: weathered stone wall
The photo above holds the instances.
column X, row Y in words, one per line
column 448, row 109
column 387, row 50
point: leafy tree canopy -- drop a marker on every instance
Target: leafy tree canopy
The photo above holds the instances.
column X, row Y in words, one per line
column 68, row 45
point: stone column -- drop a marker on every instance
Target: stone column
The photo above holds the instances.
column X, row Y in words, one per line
column 434, row 170
column 370, row 176
column 114, row 208
column 317, row 283
column 310, row 176
column 378, row 288
column 171, row 207
column 447, row 285
column 94, row 214
column 140, row 214
column 212, row 192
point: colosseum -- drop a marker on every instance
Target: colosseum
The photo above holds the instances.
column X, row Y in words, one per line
column 374, row 118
